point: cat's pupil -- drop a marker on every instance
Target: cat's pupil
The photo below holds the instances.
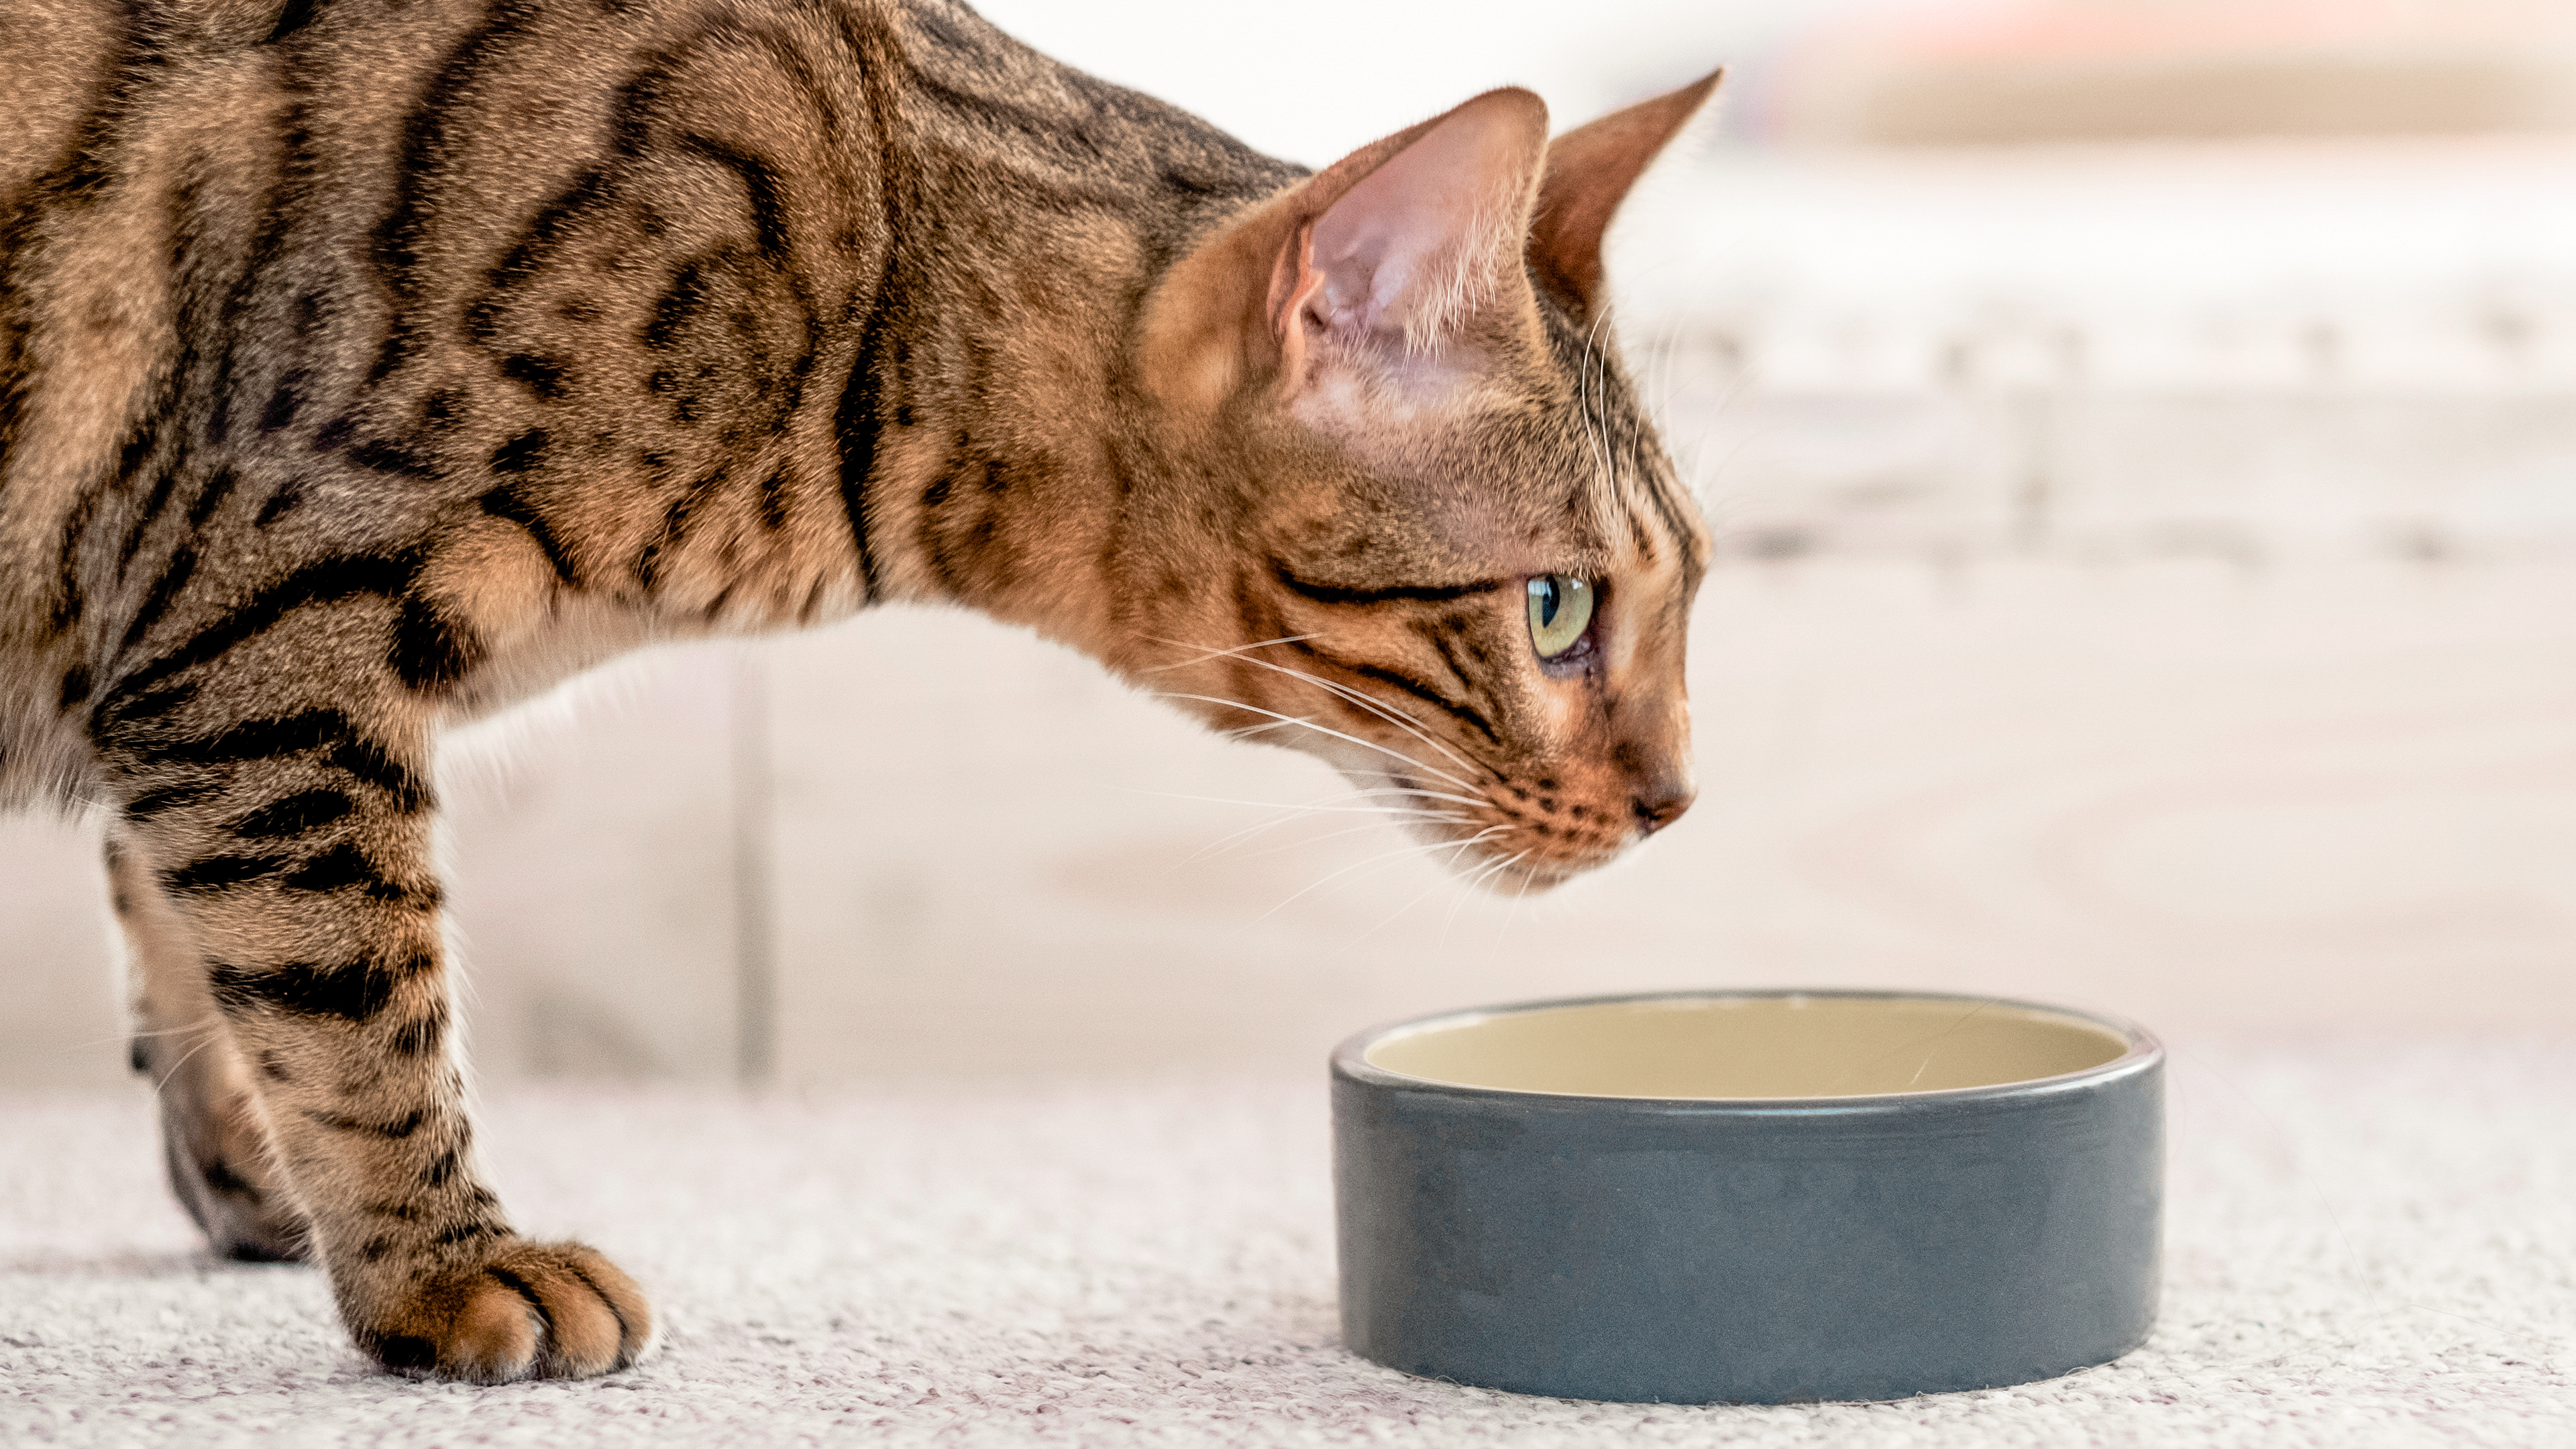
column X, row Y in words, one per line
column 1549, row 598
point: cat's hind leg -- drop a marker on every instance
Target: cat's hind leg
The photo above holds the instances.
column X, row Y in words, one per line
column 212, row 1137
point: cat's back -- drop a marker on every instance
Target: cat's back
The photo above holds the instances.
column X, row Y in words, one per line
column 294, row 279
column 53, row 56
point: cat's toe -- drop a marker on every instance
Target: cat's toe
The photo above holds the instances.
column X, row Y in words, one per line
column 527, row 1311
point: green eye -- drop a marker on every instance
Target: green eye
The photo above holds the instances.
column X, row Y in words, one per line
column 1560, row 605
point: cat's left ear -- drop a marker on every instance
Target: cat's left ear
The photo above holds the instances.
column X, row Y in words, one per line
column 1395, row 250
column 1589, row 172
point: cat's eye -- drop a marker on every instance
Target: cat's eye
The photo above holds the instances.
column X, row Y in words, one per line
column 1560, row 607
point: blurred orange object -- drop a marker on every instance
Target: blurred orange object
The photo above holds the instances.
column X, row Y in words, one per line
column 2016, row 71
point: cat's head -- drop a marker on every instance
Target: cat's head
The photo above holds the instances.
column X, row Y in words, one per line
column 1439, row 542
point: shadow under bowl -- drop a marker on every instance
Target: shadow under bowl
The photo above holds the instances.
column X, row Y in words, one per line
column 1749, row 1196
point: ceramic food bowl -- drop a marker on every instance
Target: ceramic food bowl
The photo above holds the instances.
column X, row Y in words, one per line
column 1758, row 1197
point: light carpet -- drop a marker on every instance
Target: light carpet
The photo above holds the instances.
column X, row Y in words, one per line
column 2366, row 1245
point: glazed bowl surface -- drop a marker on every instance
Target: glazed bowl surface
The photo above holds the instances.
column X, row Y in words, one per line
column 1749, row 1196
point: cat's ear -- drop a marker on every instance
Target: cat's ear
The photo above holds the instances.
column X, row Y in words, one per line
column 1401, row 243
column 1422, row 242
column 1589, row 172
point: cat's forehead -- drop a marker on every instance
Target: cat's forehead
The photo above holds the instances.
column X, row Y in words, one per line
column 1536, row 458
column 1563, row 458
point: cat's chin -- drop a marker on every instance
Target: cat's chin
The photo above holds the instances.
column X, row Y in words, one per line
column 1482, row 849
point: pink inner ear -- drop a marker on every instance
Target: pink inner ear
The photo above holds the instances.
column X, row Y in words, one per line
column 1420, row 241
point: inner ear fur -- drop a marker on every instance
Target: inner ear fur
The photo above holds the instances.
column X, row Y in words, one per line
column 1590, row 170
column 1245, row 304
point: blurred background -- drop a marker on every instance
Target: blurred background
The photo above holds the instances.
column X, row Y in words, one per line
column 2142, row 438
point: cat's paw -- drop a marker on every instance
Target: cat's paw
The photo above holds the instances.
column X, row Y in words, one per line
column 525, row 1311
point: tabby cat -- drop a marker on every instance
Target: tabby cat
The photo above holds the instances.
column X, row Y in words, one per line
column 368, row 365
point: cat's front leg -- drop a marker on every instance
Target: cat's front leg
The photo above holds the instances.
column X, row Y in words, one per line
column 291, row 852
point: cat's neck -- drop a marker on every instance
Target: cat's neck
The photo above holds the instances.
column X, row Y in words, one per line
column 996, row 441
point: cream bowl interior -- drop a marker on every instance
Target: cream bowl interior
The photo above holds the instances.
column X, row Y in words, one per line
column 1752, row 1047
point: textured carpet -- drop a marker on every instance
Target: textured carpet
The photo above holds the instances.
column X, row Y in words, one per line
column 2366, row 1246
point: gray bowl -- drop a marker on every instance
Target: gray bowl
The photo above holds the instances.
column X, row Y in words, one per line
column 1749, row 1196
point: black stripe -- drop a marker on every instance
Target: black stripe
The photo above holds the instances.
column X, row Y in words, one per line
column 595, row 190
column 174, row 577
column 328, row 581
column 1069, row 138
column 388, row 457
column 430, row 651
column 267, row 739
column 518, row 455
column 217, row 872
column 284, row 402
column 351, row 991
column 541, row 375
column 288, row 495
column 859, row 418
column 768, row 210
column 399, row 238
column 1340, row 594
column 85, row 162
column 292, row 17
column 1438, row 634
column 112, row 716
column 158, row 499
column 675, row 527
column 262, row 739
column 67, row 608
column 297, row 814
column 391, row 1131
column 508, row 504
column 773, row 500
column 679, row 302
column 1462, row 713
column 168, row 798
column 342, row 866
column 421, row 1035
column 371, row 764
column 218, row 486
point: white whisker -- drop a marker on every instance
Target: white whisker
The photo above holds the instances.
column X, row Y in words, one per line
column 1427, row 794
column 1373, row 705
column 1417, row 899
column 212, row 1028
column 1321, row 806
column 1349, row 830
column 1209, row 652
column 1248, row 731
column 1473, row 884
column 1292, row 812
column 1486, row 833
column 1508, row 916
column 1324, row 730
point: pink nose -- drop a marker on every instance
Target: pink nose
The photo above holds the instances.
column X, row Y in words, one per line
column 1661, row 803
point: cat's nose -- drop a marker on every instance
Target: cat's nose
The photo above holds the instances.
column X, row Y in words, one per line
column 1661, row 803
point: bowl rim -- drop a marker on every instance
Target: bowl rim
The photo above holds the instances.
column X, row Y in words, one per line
column 2144, row 1053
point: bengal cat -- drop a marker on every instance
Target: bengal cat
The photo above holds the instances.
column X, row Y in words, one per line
column 367, row 365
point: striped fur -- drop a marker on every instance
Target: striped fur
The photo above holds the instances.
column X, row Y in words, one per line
column 367, row 365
